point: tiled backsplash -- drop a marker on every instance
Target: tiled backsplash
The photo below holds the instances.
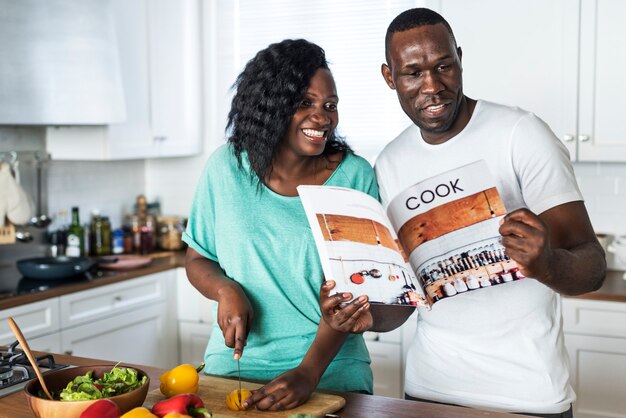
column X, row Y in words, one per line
column 603, row 186
column 111, row 187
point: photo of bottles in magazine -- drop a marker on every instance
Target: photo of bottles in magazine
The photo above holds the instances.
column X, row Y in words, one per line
column 437, row 239
column 483, row 266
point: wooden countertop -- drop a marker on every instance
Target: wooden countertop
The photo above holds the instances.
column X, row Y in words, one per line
column 357, row 405
column 160, row 262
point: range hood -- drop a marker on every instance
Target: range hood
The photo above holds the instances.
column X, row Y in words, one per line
column 59, row 63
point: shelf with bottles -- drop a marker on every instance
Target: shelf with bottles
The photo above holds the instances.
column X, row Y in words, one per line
column 480, row 267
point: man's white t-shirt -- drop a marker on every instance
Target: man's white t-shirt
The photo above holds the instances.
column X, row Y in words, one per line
column 500, row 348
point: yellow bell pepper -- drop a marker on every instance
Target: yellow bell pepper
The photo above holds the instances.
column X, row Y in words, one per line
column 139, row 412
column 232, row 399
column 181, row 379
column 176, row 415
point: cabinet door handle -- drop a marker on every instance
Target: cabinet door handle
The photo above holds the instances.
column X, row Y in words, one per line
column 160, row 138
column 584, row 138
column 568, row 138
column 117, row 298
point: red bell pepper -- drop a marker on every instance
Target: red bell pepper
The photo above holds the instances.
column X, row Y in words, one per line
column 185, row 403
column 102, row 408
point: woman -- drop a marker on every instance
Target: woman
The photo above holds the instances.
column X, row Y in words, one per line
column 250, row 246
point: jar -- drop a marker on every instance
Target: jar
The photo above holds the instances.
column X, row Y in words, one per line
column 100, row 235
column 170, row 232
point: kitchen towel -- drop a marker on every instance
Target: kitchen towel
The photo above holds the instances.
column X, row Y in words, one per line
column 15, row 205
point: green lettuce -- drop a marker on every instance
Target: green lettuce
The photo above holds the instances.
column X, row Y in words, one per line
column 119, row 380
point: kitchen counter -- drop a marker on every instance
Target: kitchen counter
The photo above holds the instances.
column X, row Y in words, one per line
column 613, row 289
column 160, row 262
column 357, row 405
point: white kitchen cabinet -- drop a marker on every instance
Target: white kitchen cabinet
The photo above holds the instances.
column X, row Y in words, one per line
column 602, row 34
column 386, row 354
column 193, row 338
column 135, row 337
column 50, row 343
column 195, row 320
column 129, row 321
column 159, row 46
column 595, row 338
column 564, row 70
column 89, row 305
column 35, row 319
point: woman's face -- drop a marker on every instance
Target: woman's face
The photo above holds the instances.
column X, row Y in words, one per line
column 316, row 117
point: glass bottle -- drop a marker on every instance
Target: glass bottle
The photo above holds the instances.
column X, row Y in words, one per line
column 75, row 236
column 143, row 228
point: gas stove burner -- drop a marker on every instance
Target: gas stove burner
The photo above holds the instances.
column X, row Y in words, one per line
column 15, row 369
column 5, row 374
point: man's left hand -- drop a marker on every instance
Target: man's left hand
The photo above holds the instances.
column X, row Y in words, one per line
column 526, row 239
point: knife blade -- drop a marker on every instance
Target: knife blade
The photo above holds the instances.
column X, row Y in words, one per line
column 239, row 376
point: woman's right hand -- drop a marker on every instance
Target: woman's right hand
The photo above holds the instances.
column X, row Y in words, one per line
column 355, row 317
column 234, row 316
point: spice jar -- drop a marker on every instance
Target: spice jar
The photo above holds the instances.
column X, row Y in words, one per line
column 170, row 232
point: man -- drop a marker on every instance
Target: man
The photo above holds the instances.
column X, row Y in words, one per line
column 500, row 348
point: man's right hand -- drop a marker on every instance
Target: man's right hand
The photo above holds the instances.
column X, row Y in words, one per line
column 234, row 316
column 355, row 317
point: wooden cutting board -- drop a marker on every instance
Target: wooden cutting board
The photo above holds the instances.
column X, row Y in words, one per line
column 213, row 391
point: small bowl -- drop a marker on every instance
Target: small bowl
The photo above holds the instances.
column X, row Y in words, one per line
column 57, row 380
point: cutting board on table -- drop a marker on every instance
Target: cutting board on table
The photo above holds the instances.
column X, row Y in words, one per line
column 213, row 391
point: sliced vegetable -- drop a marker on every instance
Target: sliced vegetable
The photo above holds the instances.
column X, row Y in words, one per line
column 102, row 408
column 232, row 399
column 185, row 404
column 181, row 379
column 139, row 412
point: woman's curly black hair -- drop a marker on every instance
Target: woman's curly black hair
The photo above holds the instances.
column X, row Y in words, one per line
column 268, row 93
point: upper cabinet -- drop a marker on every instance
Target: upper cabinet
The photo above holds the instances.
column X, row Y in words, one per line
column 558, row 59
column 159, row 45
column 601, row 132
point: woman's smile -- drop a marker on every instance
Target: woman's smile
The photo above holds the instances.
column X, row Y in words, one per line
column 315, row 135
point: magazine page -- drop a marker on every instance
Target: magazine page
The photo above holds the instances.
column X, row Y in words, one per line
column 448, row 225
column 357, row 246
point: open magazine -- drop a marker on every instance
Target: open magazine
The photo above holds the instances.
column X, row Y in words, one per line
column 438, row 238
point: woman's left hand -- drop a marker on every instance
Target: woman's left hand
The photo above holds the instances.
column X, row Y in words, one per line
column 287, row 391
column 355, row 317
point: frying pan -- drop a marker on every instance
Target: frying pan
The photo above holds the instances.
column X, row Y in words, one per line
column 60, row 267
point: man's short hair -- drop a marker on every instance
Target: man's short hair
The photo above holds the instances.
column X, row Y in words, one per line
column 413, row 18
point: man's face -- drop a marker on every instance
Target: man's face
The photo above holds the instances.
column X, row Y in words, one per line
column 425, row 70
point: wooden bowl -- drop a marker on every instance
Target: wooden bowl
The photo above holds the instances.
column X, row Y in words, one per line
column 57, row 380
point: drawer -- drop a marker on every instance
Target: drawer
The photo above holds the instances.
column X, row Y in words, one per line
column 594, row 317
column 34, row 319
column 93, row 304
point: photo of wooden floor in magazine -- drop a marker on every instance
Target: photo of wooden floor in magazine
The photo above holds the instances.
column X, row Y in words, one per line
column 437, row 239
